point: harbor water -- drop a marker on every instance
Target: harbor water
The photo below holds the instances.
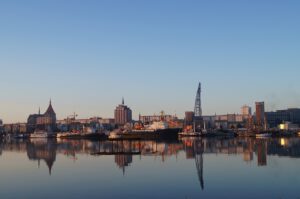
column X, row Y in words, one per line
column 185, row 168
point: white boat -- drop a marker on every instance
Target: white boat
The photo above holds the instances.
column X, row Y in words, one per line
column 41, row 134
column 263, row 135
column 90, row 132
column 161, row 125
column 61, row 135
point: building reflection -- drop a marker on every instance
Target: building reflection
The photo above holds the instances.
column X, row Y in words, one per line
column 249, row 149
column 123, row 161
column 261, row 153
column 42, row 149
column 194, row 148
column 199, row 148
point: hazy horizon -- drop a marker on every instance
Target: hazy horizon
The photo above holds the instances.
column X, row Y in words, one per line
column 87, row 56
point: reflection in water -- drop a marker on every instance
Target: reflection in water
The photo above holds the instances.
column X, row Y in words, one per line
column 42, row 149
column 261, row 153
column 199, row 160
column 123, row 151
column 194, row 148
column 123, row 161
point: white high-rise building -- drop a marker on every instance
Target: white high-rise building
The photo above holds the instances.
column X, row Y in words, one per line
column 246, row 110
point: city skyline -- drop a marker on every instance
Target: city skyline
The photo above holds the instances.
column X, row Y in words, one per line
column 87, row 56
column 74, row 114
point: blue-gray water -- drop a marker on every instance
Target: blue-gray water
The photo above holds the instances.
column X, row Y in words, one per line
column 190, row 168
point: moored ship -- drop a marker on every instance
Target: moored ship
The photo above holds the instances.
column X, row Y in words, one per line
column 155, row 130
column 42, row 134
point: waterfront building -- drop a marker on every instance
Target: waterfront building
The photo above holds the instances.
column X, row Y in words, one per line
column 189, row 118
column 288, row 126
column 260, row 113
column 110, row 121
column 15, row 128
column 32, row 122
column 146, row 119
column 123, row 114
column 246, row 110
column 230, row 121
column 107, row 123
column 75, row 124
column 209, row 121
column 46, row 121
column 289, row 115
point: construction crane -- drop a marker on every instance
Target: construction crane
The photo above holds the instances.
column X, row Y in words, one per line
column 71, row 117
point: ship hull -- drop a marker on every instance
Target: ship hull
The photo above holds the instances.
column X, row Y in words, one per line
column 146, row 134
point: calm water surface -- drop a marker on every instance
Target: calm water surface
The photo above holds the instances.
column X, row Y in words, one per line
column 189, row 168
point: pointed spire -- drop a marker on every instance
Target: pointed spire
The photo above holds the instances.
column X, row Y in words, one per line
column 50, row 110
column 123, row 101
column 39, row 110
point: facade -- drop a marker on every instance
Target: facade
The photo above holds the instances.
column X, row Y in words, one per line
column 146, row 119
column 189, row 117
column 15, row 128
column 46, row 121
column 209, row 121
column 48, row 118
column 246, row 110
column 229, row 121
column 289, row 115
column 109, row 121
column 74, row 124
column 260, row 113
column 288, row 126
column 123, row 114
column 32, row 121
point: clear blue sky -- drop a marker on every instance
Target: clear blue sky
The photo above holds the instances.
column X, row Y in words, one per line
column 86, row 55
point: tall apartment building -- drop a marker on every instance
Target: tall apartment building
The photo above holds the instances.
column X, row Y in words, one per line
column 260, row 113
column 123, row 114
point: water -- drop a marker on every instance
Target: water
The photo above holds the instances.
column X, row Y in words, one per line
column 189, row 168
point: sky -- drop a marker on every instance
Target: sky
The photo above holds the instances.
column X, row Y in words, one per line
column 87, row 54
